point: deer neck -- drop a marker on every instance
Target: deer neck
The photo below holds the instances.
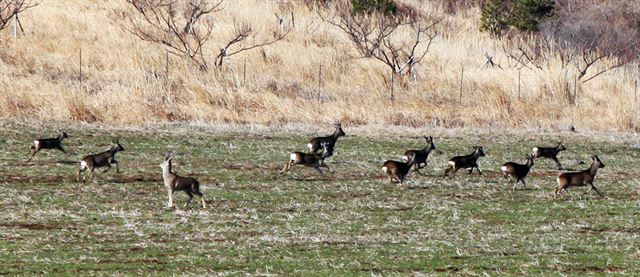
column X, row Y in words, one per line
column 167, row 175
column 593, row 169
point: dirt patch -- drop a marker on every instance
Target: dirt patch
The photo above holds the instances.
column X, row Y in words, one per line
column 33, row 226
column 42, row 180
column 596, row 231
column 448, row 269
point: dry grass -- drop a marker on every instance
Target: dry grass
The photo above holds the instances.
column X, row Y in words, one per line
column 124, row 80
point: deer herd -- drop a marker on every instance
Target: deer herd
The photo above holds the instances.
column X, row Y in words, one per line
column 321, row 148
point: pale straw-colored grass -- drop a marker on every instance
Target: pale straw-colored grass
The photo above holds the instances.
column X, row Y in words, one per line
column 124, row 83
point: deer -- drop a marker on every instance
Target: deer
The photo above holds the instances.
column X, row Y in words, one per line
column 512, row 169
column 420, row 156
column 549, row 153
column 309, row 159
column 104, row 159
column 467, row 161
column 48, row 143
column 397, row 170
column 315, row 144
column 580, row 178
column 174, row 182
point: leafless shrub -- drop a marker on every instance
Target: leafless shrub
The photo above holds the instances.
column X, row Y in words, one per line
column 375, row 35
column 10, row 9
column 596, row 32
column 184, row 27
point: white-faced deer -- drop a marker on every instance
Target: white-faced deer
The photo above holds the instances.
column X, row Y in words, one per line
column 420, row 156
column 467, row 161
column 104, row 159
column 309, row 159
column 549, row 153
column 580, row 178
column 315, row 144
column 396, row 170
column 48, row 143
column 174, row 182
column 511, row 169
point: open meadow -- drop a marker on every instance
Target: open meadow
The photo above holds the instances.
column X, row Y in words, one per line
column 352, row 222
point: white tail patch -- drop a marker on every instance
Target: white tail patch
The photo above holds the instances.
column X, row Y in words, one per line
column 384, row 169
column 535, row 150
column 558, row 180
column 293, row 156
column 310, row 146
column 36, row 142
column 504, row 168
column 452, row 163
column 83, row 165
column 405, row 159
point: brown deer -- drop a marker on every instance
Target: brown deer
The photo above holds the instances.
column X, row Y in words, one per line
column 420, row 156
column 549, row 153
column 396, row 170
column 520, row 171
column 174, row 182
column 48, row 143
column 309, row 159
column 580, row 178
column 467, row 161
column 104, row 159
column 315, row 144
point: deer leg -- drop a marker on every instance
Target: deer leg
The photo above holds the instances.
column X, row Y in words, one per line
column 326, row 166
column 59, row 147
column 117, row 165
column 286, row 168
column 34, row 149
column 107, row 169
column 199, row 193
column 593, row 187
column 555, row 159
column 170, row 194
column 190, row 195
column 446, row 172
column 478, row 168
column 318, row 169
column 82, row 168
column 524, row 184
column 91, row 173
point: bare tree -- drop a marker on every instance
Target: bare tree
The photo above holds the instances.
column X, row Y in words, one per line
column 10, row 9
column 241, row 33
column 376, row 35
column 603, row 36
column 185, row 27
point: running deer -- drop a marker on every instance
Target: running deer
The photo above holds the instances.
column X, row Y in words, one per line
column 468, row 161
column 309, row 159
column 315, row 144
column 580, row 178
column 511, row 169
column 173, row 182
column 420, row 156
column 48, row 143
column 549, row 153
column 396, row 170
column 104, row 159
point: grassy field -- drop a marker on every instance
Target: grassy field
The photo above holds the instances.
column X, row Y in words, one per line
column 353, row 222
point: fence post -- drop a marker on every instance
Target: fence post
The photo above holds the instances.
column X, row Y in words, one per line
column 293, row 20
column 15, row 25
column 166, row 71
column 244, row 72
column 80, row 62
column 319, row 80
column 519, row 84
column 461, row 82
